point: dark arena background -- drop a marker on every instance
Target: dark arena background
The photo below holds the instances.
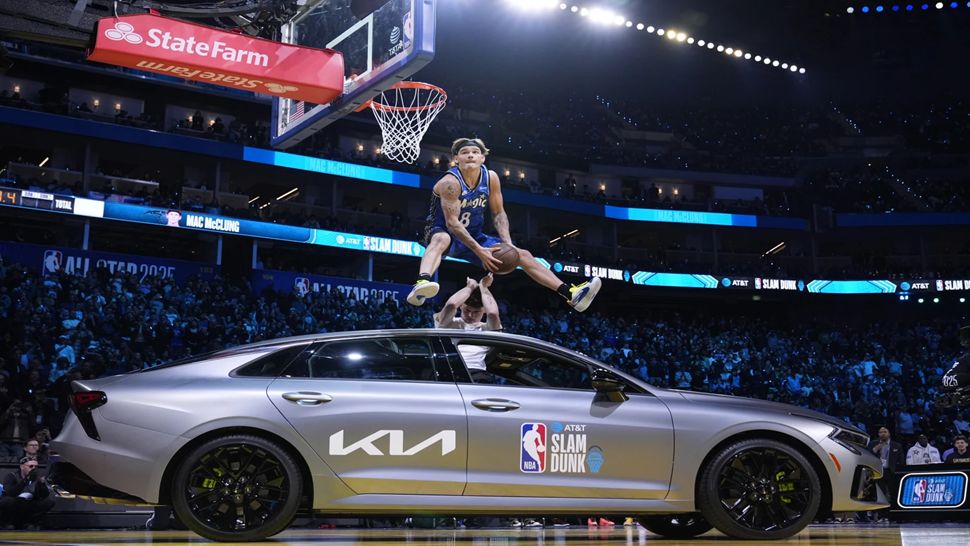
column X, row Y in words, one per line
column 775, row 196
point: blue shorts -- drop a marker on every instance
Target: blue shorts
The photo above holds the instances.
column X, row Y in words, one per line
column 458, row 248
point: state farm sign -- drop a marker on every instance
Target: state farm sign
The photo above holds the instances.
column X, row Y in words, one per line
column 195, row 52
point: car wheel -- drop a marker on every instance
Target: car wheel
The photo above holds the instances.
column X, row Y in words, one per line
column 676, row 525
column 237, row 488
column 759, row 489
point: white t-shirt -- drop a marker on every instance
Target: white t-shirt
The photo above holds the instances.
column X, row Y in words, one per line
column 473, row 355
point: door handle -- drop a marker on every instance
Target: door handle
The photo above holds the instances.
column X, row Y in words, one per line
column 305, row 398
column 495, row 404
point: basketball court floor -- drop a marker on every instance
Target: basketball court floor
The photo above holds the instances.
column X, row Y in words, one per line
column 815, row 535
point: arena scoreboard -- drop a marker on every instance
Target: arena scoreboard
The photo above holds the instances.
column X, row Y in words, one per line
column 36, row 200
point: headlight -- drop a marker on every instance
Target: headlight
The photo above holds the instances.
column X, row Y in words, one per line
column 853, row 441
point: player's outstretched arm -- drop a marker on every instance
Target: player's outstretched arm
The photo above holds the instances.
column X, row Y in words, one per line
column 450, row 193
column 497, row 204
column 492, row 320
column 456, row 299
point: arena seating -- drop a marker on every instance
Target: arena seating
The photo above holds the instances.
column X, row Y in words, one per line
column 61, row 327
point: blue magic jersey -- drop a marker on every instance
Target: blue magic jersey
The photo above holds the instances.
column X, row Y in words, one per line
column 473, row 203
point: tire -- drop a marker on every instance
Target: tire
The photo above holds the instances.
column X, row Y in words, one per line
column 234, row 475
column 680, row 526
column 759, row 489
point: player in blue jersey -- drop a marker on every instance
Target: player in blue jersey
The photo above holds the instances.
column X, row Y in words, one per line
column 456, row 222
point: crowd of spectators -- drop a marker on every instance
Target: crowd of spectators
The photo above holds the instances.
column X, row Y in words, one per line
column 388, row 219
column 950, row 194
column 570, row 130
column 55, row 100
column 864, row 187
column 59, row 327
column 939, row 126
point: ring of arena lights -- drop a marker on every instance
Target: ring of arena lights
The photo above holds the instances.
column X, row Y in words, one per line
column 896, row 7
column 607, row 16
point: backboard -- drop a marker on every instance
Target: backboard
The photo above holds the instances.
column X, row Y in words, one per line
column 382, row 41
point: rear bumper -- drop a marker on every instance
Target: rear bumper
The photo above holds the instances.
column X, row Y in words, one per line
column 72, row 479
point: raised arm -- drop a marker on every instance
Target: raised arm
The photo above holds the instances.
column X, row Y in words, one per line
column 497, row 204
column 456, row 299
column 492, row 320
column 449, row 191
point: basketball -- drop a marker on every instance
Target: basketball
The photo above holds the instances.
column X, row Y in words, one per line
column 508, row 255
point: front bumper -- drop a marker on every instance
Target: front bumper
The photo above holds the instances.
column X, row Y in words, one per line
column 853, row 477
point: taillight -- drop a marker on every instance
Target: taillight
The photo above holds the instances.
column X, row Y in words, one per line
column 87, row 400
column 82, row 402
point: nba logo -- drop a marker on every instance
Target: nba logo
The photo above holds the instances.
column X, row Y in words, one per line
column 939, row 286
column 302, row 286
column 533, row 448
column 757, row 283
column 53, row 259
column 919, row 492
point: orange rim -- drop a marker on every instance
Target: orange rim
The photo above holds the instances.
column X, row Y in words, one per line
column 408, row 85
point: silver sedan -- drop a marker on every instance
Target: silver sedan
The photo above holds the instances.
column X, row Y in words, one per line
column 441, row 422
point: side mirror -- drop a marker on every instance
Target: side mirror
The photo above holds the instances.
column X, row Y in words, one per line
column 605, row 382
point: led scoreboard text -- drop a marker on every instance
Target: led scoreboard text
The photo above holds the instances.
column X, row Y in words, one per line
column 10, row 197
column 36, row 200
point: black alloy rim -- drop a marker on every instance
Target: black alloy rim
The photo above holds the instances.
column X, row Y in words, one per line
column 764, row 489
column 236, row 488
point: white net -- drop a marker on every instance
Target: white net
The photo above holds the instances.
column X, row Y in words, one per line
column 404, row 113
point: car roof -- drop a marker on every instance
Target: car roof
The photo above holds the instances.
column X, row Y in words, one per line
column 441, row 332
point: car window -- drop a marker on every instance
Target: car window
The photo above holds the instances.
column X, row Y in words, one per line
column 271, row 365
column 380, row 359
column 521, row 366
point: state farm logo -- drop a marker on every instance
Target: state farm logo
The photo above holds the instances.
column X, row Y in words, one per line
column 193, row 44
column 124, row 31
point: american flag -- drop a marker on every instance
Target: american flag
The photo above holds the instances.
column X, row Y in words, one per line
column 296, row 110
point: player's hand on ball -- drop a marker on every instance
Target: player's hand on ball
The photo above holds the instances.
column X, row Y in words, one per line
column 489, row 261
column 487, row 280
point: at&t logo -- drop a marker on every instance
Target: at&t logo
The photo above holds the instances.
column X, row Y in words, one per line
column 124, row 31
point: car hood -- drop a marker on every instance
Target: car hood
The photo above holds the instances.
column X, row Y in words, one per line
column 764, row 405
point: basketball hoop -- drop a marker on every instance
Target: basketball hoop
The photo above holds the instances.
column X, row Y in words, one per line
column 404, row 111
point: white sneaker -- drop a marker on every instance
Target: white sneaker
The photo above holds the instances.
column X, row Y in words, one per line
column 423, row 289
column 515, row 523
column 583, row 294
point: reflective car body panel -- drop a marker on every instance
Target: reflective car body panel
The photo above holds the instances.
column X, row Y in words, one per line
column 390, row 438
column 634, row 440
column 393, row 422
